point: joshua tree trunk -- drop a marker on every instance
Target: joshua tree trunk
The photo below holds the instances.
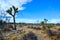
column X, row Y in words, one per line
column 14, row 22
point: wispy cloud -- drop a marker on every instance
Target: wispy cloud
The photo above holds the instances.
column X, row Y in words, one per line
column 24, row 20
column 6, row 4
column 54, row 21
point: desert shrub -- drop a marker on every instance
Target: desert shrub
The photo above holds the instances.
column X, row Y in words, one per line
column 10, row 26
column 28, row 27
column 31, row 27
column 34, row 27
column 2, row 24
column 48, row 26
column 53, row 33
column 59, row 29
column 1, row 36
column 38, row 28
column 30, row 36
column 49, row 32
column 43, row 27
column 58, row 35
column 20, row 25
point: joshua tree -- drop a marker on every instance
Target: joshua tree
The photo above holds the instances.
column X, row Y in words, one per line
column 45, row 21
column 13, row 8
column 42, row 23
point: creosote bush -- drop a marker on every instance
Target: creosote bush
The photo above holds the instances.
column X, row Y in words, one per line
column 37, row 28
column 30, row 36
column 49, row 32
column 48, row 26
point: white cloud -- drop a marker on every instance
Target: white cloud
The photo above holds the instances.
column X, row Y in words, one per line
column 54, row 21
column 34, row 20
column 6, row 4
column 25, row 20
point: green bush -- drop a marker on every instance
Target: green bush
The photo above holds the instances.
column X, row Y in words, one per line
column 48, row 26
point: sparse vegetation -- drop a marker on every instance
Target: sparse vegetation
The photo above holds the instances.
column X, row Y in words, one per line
column 43, row 25
column 37, row 28
column 49, row 26
column 2, row 24
column 30, row 36
column 49, row 32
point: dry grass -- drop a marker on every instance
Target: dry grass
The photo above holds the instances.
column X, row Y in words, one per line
column 41, row 34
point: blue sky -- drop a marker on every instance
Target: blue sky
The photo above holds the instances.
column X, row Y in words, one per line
column 34, row 11
column 40, row 9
